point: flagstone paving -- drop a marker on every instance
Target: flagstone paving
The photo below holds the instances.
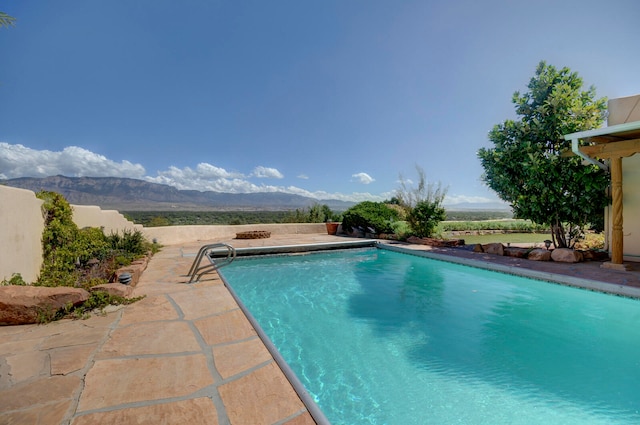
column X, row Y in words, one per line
column 184, row 354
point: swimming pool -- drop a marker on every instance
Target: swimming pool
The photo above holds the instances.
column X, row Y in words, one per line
column 380, row 337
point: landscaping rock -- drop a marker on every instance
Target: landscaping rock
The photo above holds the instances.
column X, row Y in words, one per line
column 135, row 270
column 478, row 248
column 539, row 254
column 435, row 242
column 117, row 289
column 21, row 305
column 516, row 252
column 594, row 255
column 493, row 248
column 566, row 255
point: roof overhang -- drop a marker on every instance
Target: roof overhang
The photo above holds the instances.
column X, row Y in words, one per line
column 620, row 140
column 614, row 133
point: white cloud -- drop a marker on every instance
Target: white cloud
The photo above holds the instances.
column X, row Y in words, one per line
column 72, row 161
column 303, row 177
column 363, row 178
column 267, row 173
column 20, row 161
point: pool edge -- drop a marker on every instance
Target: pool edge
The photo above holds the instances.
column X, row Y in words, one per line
column 576, row 282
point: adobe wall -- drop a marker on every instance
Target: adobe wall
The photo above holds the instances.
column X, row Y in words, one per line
column 21, row 226
column 111, row 221
column 623, row 110
column 172, row 235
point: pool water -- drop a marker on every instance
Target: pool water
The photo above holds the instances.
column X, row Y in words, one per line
column 380, row 337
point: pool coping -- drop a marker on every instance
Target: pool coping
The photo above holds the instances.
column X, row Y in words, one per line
column 312, row 407
column 576, row 282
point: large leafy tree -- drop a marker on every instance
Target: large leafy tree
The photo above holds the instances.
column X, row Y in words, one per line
column 525, row 166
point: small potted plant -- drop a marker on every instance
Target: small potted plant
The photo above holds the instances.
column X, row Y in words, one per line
column 332, row 221
column 332, row 227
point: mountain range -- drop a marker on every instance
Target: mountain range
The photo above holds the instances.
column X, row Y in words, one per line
column 124, row 194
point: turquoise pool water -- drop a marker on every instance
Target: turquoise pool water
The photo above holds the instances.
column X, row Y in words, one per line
column 379, row 337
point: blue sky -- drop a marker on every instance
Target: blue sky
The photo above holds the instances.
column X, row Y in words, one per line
column 330, row 99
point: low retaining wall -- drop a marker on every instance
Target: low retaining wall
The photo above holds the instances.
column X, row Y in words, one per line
column 173, row 235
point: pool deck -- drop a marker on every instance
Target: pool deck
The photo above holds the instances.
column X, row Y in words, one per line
column 186, row 353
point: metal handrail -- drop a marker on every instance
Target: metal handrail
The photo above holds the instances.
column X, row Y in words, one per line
column 216, row 257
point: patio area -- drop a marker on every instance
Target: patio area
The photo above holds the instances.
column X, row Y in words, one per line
column 187, row 353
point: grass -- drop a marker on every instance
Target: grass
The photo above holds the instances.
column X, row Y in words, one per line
column 505, row 238
column 592, row 240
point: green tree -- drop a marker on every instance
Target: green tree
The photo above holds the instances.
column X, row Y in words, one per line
column 525, row 167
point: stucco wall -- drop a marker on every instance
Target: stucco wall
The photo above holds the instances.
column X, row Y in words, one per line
column 111, row 221
column 21, row 226
column 172, row 235
column 22, row 223
column 623, row 110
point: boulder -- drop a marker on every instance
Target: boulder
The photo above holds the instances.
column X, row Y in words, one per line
column 566, row 255
column 118, row 289
column 21, row 305
column 516, row 252
column 135, row 270
column 493, row 248
column 539, row 254
column 436, row 242
column 594, row 255
column 478, row 248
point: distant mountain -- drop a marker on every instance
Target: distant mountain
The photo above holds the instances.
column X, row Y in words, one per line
column 138, row 195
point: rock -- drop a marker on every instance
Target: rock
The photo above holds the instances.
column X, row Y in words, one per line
column 566, row 255
column 478, row 248
column 539, row 254
column 135, row 270
column 493, row 248
column 20, row 305
column 594, row 255
column 516, row 252
column 436, row 242
column 118, row 289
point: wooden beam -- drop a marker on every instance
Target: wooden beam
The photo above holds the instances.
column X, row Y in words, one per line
column 617, row 247
column 616, row 195
column 612, row 150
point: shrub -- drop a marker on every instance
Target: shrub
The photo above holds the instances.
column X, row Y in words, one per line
column 374, row 216
column 424, row 217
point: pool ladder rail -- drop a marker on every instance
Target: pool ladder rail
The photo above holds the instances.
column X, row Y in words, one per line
column 217, row 254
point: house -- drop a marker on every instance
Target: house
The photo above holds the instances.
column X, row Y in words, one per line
column 614, row 149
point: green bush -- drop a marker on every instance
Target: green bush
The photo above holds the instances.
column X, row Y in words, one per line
column 424, row 218
column 77, row 257
column 375, row 217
